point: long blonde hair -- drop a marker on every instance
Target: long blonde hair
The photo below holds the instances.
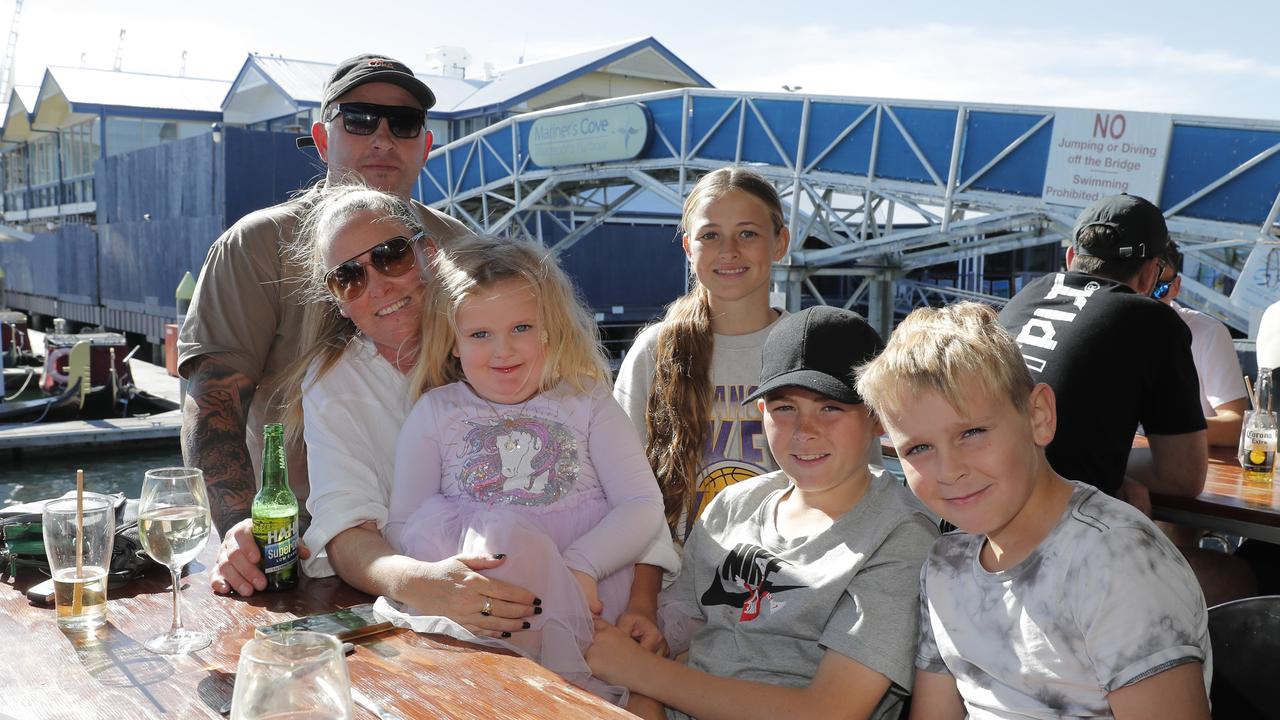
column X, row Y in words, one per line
column 326, row 332
column 569, row 333
column 678, row 411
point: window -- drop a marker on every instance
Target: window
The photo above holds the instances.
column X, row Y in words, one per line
column 126, row 134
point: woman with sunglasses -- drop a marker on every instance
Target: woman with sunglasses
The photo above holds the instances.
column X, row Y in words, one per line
column 363, row 251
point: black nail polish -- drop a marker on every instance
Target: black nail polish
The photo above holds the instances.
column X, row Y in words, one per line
column 526, row 625
column 537, row 601
column 506, row 634
column 537, row 611
column 499, row 556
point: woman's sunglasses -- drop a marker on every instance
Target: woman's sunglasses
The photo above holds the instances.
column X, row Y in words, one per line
column 391, row 258
column 363, row 118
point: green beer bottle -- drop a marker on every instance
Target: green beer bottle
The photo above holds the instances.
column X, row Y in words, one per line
column 275, row 514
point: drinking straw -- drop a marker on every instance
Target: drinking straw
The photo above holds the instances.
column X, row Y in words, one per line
column 75, row 595
column 1253, row 399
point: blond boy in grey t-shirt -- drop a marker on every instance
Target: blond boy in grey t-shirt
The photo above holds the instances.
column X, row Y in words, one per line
column 802, row 581
column 1055, row 600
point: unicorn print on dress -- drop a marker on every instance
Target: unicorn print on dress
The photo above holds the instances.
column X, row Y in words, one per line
column 524, row 461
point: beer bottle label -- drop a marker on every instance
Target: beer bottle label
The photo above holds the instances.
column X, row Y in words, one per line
column 1261, row 436
column 277, row 538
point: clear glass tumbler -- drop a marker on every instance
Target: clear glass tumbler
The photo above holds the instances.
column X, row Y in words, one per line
column 295, row 674
column 79, row 556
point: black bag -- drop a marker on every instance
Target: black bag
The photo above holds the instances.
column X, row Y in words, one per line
column 22, row 541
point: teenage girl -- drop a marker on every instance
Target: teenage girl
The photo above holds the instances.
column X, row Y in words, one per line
column 684, row 380
column 518, row 450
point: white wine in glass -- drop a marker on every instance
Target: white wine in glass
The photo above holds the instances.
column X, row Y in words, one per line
column 173, row 523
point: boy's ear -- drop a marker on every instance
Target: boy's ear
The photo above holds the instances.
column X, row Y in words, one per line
column 877, row 429
column 760, row 405
column 1042, row 411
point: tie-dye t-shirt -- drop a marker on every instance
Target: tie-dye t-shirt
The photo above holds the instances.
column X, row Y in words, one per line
column 736, row 447
column 1105, row 601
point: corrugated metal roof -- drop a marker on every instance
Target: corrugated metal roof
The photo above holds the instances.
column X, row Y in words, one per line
column 85, row 86
column 516, row 81
column 302, row 81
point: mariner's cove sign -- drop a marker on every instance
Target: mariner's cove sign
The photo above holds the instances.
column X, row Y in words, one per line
column 1098, row 153
column 603, row 134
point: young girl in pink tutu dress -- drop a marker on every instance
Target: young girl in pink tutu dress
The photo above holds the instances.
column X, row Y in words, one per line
column 519, row 449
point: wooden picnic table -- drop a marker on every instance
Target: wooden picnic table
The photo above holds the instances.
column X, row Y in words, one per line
column 1228, row 503
column 48, row 674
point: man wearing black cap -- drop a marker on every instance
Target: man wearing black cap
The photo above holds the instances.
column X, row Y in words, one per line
column 1115, row 357
column 243, row 327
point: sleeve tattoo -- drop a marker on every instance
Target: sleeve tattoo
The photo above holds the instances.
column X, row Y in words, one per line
column 213, row 438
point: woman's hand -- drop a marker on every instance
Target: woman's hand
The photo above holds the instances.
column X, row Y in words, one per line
column 455, row 589
column 236, row 569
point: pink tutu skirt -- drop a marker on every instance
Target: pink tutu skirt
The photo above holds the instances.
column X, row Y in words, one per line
column 534, row 540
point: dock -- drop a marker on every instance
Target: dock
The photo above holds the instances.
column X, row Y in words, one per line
column 44, row 437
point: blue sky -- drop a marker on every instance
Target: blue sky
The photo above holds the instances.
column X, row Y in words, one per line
column 1192, row 58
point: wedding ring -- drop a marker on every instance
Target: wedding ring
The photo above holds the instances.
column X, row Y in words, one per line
column 488, row 607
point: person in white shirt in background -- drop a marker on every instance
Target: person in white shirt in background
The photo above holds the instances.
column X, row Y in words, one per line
column 1269, row 337
column 1222, row 393
column 1223, row 399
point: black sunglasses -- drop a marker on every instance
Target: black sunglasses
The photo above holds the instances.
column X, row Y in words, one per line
column 392, row 258
column 363, row 118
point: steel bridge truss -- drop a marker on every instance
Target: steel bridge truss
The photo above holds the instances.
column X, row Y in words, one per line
column 872, row 188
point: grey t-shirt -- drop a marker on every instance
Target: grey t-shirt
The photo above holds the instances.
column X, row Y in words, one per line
column 1104, row 601
column 774, row 605
column 736, row 447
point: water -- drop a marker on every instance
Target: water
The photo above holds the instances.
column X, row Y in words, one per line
column 109, row 470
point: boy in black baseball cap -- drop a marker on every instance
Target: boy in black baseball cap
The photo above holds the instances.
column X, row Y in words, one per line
column 806, row 578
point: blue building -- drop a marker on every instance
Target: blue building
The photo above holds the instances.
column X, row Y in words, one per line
column 116, row 183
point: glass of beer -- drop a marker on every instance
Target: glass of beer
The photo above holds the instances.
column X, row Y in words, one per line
column 79, row 554
column 173, row 523
column 292, row 674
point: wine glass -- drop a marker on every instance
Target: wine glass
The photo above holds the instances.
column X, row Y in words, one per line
column 293, row 674
column 173, row 522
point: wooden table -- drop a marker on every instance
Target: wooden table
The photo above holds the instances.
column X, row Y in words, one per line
column 45, row 673
column 1228, row 504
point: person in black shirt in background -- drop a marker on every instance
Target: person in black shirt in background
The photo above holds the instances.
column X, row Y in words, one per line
column 1115, row 358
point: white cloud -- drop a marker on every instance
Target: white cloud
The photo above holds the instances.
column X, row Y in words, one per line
column 1031, row 66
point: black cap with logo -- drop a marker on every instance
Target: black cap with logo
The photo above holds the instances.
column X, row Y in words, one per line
column 818, row 349
column 371, row 67
column 1137, row 229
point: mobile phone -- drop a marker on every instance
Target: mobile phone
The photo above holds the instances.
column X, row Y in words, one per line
column 41, row 592
column 346, row 624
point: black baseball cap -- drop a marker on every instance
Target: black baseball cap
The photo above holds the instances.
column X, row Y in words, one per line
column 371, row 67
column 1139, row 230
column 818, row 349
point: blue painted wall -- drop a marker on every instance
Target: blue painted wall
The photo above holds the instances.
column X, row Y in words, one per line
column 159, row 210
column 640, row 267
column 61, row 263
